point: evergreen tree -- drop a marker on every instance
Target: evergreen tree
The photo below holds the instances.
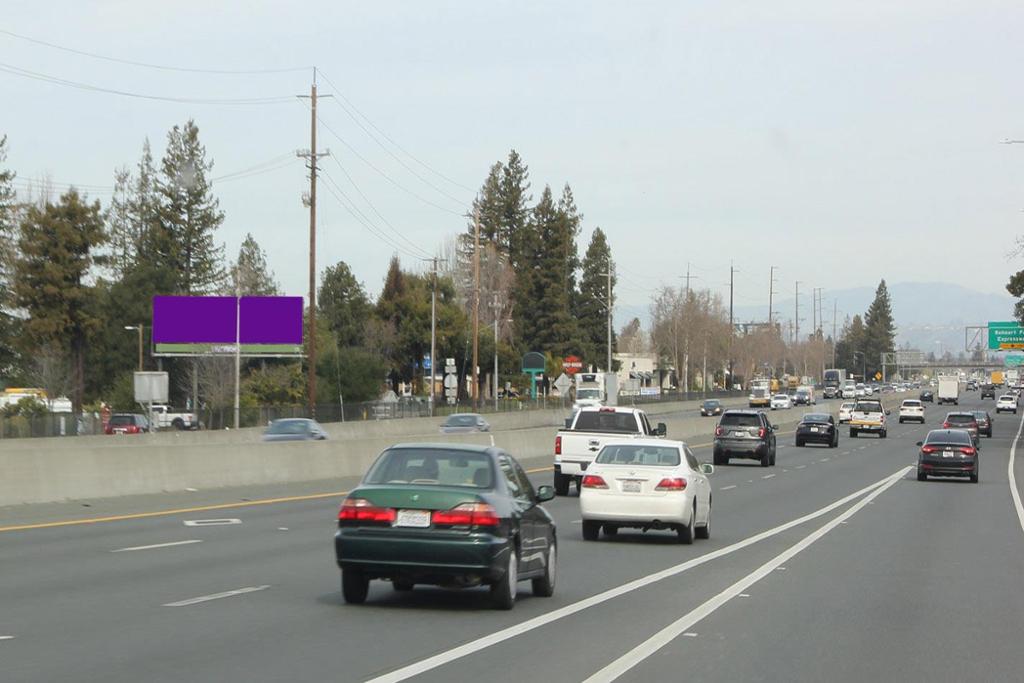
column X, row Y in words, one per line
column 590, row 309
column 144, row 202
column 122, row 238
column 250, row 275
column 851, row 345
column 879, row 329
column 571, row 218
column 9, row 324
column 344, row 305
column 56, row 244
column 1016, row 288
column 188, row 214
column 515, row 207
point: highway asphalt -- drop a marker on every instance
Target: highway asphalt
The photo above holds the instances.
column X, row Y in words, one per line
column 835, row 565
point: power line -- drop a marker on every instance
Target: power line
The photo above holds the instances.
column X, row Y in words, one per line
column 351, row 106
column 148, row 65
column 35, row 75
column 349, row 206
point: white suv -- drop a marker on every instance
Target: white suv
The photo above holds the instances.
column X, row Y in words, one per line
column 845, row 411
column 911, row 409
column 1007, row 403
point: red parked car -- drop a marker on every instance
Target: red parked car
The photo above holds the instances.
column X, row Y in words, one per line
column 127, row 423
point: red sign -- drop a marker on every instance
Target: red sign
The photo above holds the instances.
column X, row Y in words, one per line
column 572, row 364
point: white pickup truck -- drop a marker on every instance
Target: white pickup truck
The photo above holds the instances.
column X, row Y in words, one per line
column 868, row 416
column 164, row 417
column 578, row 444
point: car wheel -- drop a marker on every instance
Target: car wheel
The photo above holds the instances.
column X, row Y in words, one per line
column 591, row 530
column 901, row 420
column 853, row 433
column 921, row 476
column 882, row 434
column 562, row 484
column 774, row 453
column 765, row 459
column 354, row 586
column 178, row 424
column 686, row 534
column 402, row 585
column 704, row 532
column 974, row 478
column 610, row 530
column 799, row 443
column 503, row 592
column 544, row 587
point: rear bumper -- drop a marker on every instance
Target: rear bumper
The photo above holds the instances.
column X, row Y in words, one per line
column 572, row 468
column 866, row 426
column 383, row 556
column 670, row 508
column 943, row 467
column 818, row 437
column 741, row 447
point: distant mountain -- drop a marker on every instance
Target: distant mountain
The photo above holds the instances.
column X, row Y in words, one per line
column 929, row 316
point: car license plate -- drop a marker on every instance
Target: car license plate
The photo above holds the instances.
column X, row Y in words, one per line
column 947, row 454
column 737, row 434
column 814, row 429
column 631, row 486
column 414, row 518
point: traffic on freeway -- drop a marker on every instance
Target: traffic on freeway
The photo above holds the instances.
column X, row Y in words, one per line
column 831, row 546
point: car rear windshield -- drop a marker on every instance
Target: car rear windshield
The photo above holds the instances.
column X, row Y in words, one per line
column 432, row 467
column 461, row 421
column 953, row 436
column 612, row 422
column 287, row 427
column 740, row 420
column 815, row 417
column 868, row 407
column 911, row 404
column 121, row 420
column 654, row 456
column 980, row 415
column 960, row 419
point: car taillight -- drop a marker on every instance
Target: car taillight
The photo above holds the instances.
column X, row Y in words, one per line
column 761, row 432
column 945, row 425
column 132, row 429
column 592, row 481
column 928, row 449
column 671, row 484
column 967, row 450
column 719, row 431
column 362, row 510
column 558, row 445
column 466, row 514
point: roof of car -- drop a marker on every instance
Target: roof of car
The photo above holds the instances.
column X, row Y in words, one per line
column 937, row 434
column 466, row 447
column 742, row 411
column 960, row 413
column 648, row 441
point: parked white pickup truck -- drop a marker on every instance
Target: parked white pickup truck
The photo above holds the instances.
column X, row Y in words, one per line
column 164, row 417
column 578, row 444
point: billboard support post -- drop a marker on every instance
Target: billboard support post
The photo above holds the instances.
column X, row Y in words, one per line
column 238, row 353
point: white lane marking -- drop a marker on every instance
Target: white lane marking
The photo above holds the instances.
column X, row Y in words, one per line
column 726, row 488
column 690, row 635
column 282, row 528
column 211, row 522
column 768, row 476
column 484, row 642
column 800, row 467
column 659, row 640
column 156, row 545
column 577, row 521
column 824, row 459
column 1014, row 493
column 216, row 596
column 845, row 453
column 6, row 637
column 744, row 595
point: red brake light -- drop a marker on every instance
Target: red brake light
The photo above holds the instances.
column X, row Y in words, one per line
column 761, row 433
column 362, row 510
column 967, row 450
column 558, row 445
column 466, row 514
column 592, row 481
column 928, row 449
column 945, row 425
column 673, row 484
column 606, row 410
column 719, row 431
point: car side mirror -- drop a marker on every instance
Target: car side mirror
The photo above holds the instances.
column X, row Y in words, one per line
column 568, row 422
column 888, row 412
column 775, row 427
column 920, row 443
column 545, row 493
column 662, row 429
column 707, row 468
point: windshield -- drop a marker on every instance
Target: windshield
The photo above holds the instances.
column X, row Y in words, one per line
column 432, row 467
column 911, row 404
column 739, row 420
column 815, row 417
column 606, row 421
column 952, row 436
column 121, row 420
column 288, row 427
column 846, row 406
column 642, row 456
column 960, row 419
column 868, row 407
column 711, row 404
column 588, row 393
column 461, row 421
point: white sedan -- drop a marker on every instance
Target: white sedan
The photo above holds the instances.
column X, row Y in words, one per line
column 781, row 401
column 911, row 409
column 1008, row 403
column 845, row 412
column 647, row 484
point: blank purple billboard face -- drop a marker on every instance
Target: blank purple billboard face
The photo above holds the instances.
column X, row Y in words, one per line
column 204, row 324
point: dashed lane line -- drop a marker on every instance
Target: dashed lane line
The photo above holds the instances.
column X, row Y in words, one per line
column 217, row 596
column 157, row 545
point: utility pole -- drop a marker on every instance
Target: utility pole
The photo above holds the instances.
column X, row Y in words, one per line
column 609, row 307
column 433, row 336
column 497, row 314
column 835, row 316
column 686, row 332
column 732, row 272
column 796, row 317
column 476, row 305
column 771, row 294
column 312, row 155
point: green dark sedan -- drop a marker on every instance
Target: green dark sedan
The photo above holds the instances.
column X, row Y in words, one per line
column 448, row 515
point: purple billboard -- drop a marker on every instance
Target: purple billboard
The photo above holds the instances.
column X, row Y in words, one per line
column 204, row 325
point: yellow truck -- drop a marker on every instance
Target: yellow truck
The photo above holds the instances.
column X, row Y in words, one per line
column 996, row 378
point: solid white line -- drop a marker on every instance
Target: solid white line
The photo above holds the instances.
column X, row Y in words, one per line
column 1014, row 493
column 6, row 637
column 157, row 545
column 211, row 522
column 768, row 476
column 443, row 658
column 726, row 488
column 216, row 596
column 659, row 640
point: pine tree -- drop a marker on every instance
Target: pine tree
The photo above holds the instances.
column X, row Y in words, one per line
column 515, row 207
column 122, row 242
column 250, row 275
column 572, row 220
column 56, row 246
column 7, row 224
column 1016, row 288
column 590, row 309
column 879, row 329
column 188, row 214
column 343, row 305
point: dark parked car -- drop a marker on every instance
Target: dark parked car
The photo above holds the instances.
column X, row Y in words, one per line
column 461, row 423
column 294, row 429
column 947, row 452
column 988, row 391
column 927, row 395
column 127, row 423
column 710, row 407
column 817, row 428
column 984, row 422
column 965, row 421
column 744, row 434
column 449, row 515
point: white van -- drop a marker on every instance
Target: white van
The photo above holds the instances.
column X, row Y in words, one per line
column 849, row 389
column 804, row 396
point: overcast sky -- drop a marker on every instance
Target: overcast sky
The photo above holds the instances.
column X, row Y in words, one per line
column 842, row 142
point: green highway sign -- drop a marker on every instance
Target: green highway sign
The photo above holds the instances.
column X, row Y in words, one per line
column 1005, row 335
column 1014, row 361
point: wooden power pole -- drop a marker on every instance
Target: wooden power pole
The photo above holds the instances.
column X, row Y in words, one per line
column 476, row 305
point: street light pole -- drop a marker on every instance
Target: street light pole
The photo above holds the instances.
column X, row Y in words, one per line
column 138, row 327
